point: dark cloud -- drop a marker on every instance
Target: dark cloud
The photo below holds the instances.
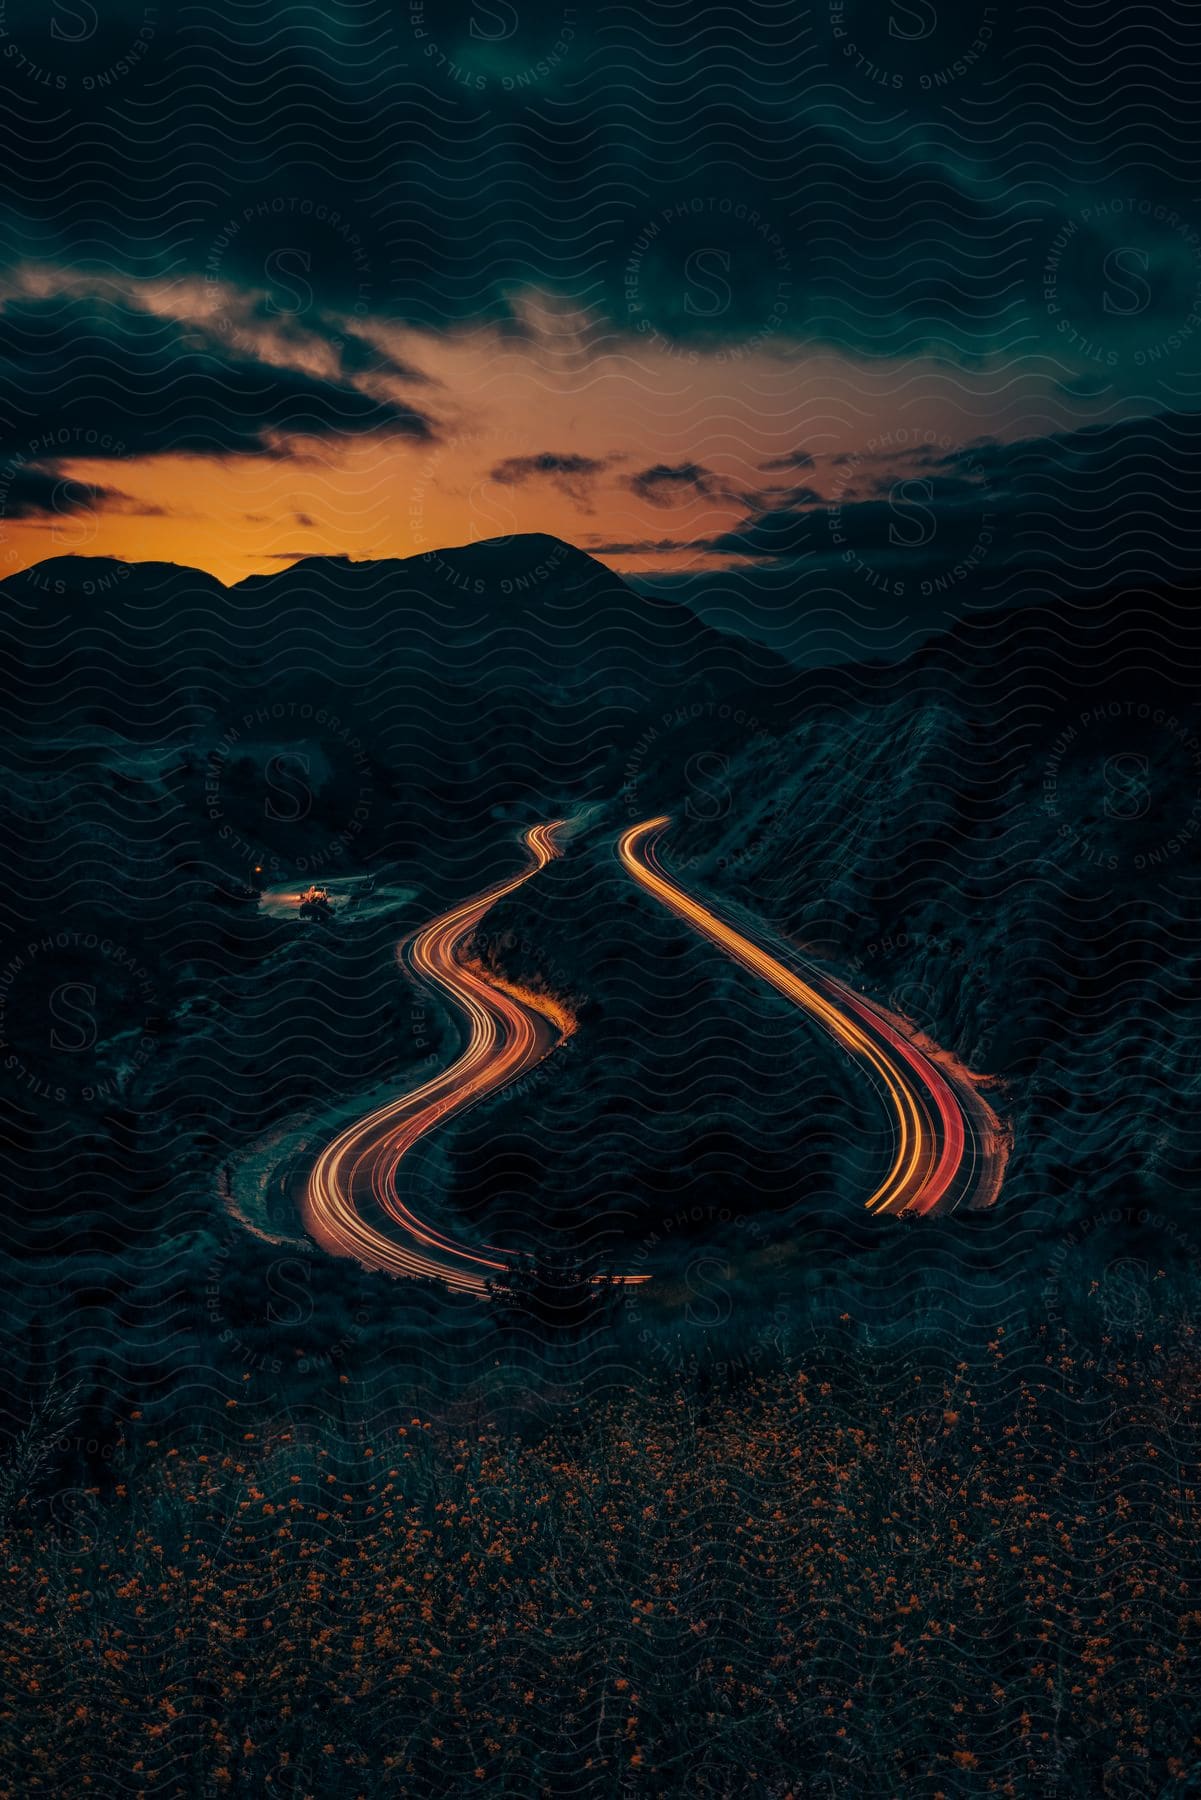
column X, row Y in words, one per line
column 1070, row 515
column 305, row 555
column 1106, row 503
column 770, row 531
column 30, row 493
column 42, row 490
column 572, row 474
column 665, row 482
column 864, row 180
column 1079, row 505
column 84, row 377
column 287, row 318
column 883, row 508
column 635, row 547
column 358, row 356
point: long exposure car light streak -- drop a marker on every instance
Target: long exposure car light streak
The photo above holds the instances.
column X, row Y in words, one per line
column 950, row 1145
column 510, row 1029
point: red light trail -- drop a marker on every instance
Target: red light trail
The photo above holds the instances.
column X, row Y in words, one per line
column 950, row 1146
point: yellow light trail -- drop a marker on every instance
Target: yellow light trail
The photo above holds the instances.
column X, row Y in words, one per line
column 950, row 1145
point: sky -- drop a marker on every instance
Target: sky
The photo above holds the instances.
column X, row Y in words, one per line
column 733, row 298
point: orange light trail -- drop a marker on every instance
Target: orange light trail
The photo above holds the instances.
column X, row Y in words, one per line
column 510, row 1029
column 508, row 1033
column 950, row 1145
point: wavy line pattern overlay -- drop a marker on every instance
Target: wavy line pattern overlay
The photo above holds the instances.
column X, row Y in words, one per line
column 600, row 1084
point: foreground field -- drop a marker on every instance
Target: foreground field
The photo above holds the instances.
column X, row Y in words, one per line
column 954, row 1577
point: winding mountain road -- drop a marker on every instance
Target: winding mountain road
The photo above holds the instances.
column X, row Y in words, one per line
column 509, row 1030
column 950, row 1148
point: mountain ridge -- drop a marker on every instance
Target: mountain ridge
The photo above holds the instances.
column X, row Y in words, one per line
column 479, row 551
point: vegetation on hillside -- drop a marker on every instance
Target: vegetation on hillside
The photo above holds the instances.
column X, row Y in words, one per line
column 954, row 1574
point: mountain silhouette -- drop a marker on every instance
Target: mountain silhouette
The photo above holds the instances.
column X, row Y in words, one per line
column 509, row 673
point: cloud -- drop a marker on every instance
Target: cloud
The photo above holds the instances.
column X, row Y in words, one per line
column 432, row 174
column 1060, row 513
column 665, row 482
column 1071, row 516
column 881, row 508
column 357, row 355
column 85, row 377
column 307, row 555
column 1105, row 503
column 41, row 490
column 269, row 325
column 573, row 475
column 636, row 547
column 770, row 531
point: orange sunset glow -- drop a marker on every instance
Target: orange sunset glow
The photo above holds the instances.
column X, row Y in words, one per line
column 495, row 408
